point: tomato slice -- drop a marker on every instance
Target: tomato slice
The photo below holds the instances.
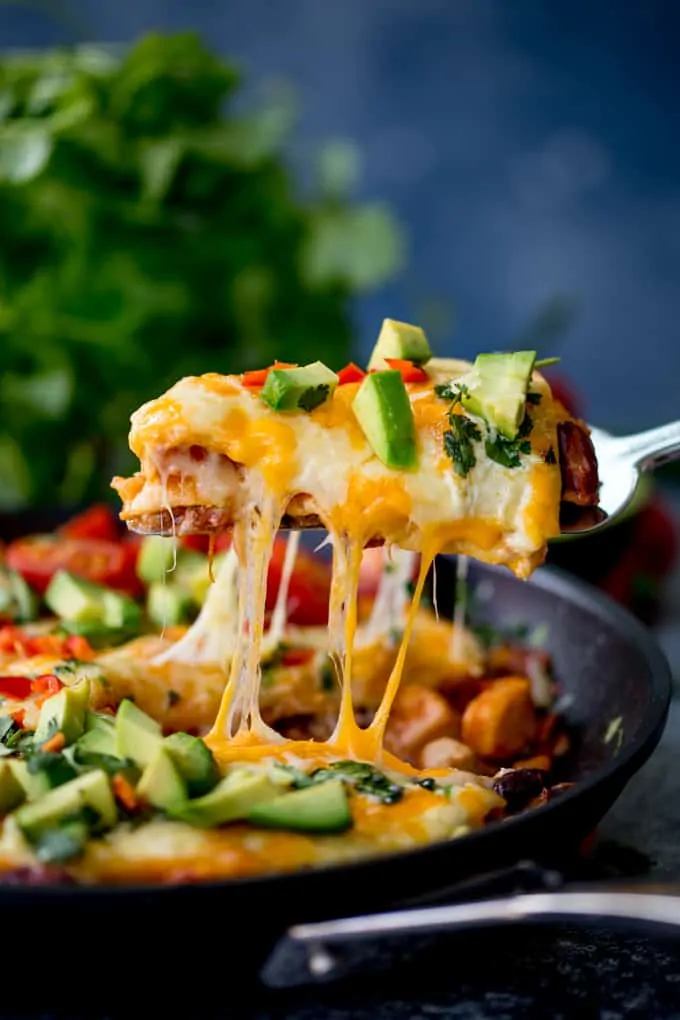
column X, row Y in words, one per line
column 38, row 557
column 350, row 373
column 98, row 521
column 309, row 590
column 409, row 371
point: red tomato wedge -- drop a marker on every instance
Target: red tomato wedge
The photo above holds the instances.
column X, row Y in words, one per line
column 309, row 589
column 38, row 557
column 258, row 377
column 98, row 521
column 409, row 371
column 350, row 373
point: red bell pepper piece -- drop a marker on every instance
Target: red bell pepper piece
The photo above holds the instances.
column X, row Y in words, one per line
column 409, row 371
column 296, row 656
column 17, row 687
column 258, row 376
column 350, row 373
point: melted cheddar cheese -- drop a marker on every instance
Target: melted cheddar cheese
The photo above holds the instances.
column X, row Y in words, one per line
column 212, row 442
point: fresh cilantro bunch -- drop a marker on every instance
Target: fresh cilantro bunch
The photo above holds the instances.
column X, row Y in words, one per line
column 152, row 230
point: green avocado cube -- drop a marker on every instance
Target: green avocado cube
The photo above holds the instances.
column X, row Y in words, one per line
column 323, row 807
column 138, row 736
column 383, row 410
column 400, row 340
column 161, row 783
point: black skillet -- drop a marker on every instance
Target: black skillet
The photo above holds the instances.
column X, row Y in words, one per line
column 617, row 686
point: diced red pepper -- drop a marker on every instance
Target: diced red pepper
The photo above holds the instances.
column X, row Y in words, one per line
column 258, row 376
column 17, row 687
column 19, row 717
column 296, row 656
column 45, row 686
column 409, row 371
column 350, row 373
column 78, row 647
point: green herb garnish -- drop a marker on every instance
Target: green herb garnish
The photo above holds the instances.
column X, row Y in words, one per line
column 550, row 457
column 314, row 396
column 55, row 767
column 534, row 398
column 62, row 843
column 364, row 778
column 458, row 443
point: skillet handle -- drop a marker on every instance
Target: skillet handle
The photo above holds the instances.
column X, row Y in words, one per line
column 643, row 906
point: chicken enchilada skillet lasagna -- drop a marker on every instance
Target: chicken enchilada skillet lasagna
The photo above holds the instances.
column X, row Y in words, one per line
column 296, row 746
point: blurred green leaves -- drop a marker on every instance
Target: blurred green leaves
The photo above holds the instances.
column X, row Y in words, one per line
column 149, row 230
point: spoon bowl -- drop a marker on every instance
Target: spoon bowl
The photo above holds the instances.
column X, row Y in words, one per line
column 621, row 462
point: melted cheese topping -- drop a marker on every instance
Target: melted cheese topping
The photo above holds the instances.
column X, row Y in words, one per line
column 211, row 442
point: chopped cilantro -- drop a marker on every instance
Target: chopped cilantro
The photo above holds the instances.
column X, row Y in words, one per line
column 545, row 362
column 313, row 397
column 61, row 843
column 458, row 443
column 364, row 778
column 507, row 452
column 328, row 677
column 534, row 398
column 55, row 767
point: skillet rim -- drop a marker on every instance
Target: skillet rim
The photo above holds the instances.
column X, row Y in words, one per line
column 554, row 580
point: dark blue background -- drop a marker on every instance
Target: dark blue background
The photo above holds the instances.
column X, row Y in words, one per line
column 531, row 149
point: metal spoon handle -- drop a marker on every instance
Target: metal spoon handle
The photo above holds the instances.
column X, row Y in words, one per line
column 648, row 450
column 642, row 907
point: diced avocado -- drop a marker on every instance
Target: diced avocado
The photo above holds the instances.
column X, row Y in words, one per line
column 120, row 611
column 64, row 713
column 161, row 783
column 65, row 803
column 99, row 736
column 167, row 605
column 299, row 389
column 192, row 575
column 400, row 340
column 320, row 808
column 12, row 793
column 97, row 634
column 34, row 784
column 497, row 389
column 138, row 736
column 384, row 413
column 17, row 601
column 233, row 798
column 195, row 762
column 73, row 598
column 156, row 556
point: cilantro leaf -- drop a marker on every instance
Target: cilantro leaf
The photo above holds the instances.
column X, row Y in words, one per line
column 458, row 443
column 62, row 842
column 534, row 398
column 55, row 767
column 313, row 397
column 506, row 452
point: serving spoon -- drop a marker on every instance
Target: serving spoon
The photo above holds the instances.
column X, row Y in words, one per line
column 621, row 461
